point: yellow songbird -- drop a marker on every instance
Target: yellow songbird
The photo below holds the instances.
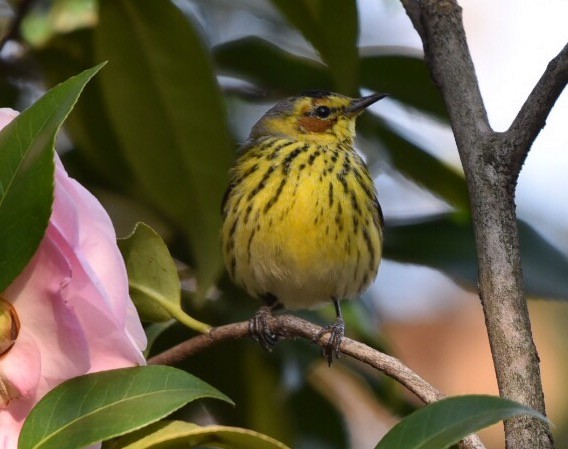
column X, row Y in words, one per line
column 302, row 223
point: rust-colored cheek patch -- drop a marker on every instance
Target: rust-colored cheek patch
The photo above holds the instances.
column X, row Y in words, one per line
column 314, row 124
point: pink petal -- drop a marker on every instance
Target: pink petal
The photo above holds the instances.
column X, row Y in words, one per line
column 99, row 276
column 72, row 301
column 46, row 317
column 6, row 116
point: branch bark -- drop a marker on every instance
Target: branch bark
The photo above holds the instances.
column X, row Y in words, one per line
column 532, row 116
column 492, row 162
column 291, row 327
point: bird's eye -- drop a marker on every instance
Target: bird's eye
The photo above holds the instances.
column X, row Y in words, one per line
column 322, row 111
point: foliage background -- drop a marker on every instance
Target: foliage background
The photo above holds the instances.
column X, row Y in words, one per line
column 155, row 133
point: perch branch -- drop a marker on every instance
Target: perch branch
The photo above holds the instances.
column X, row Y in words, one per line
column 291, row 327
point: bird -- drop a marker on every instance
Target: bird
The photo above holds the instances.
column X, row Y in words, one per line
column 302, row 225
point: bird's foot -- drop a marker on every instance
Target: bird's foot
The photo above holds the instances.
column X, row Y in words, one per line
column 336, row 333
column 260, row 330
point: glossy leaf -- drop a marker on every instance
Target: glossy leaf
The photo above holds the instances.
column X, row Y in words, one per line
column 153, row 278
column 404, row 75
column 280, row 72
column 420, row 166
column 40, row 24
column 443, row 423
column 88, row 125
column 447, row 243
column 167, row 111
column 152, row 274
column 179, row 434
column 27, row 172
column 99, row 406
column 545, row 268
column 331, row 26
column 271, row 417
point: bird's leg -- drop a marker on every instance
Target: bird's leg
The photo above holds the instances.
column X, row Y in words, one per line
column 258, row 324
column 336, row 332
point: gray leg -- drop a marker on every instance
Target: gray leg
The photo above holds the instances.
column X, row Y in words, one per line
column 336, row 333
column 258, row 324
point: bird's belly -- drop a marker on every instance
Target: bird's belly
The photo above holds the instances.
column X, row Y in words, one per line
column 301, row 268
column 307, row 246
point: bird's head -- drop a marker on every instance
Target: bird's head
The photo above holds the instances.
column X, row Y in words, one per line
column 323, row 117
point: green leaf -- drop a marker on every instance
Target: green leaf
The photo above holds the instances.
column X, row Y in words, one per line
column 153, row 278
column 545, row 268
column 271, row 417
column 27, row 173
column 88, row 125
column 332, row 27
column 443, row 423
column 283, row 73
column 99, row 406
column 40, row 24
column 448, row 244
column 152, row 274
column 167, row 110
column 423, row 168
column 404, row 75
column 178, row 434
column 440, row 242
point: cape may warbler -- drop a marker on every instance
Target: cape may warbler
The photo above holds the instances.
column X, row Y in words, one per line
column 302, row 223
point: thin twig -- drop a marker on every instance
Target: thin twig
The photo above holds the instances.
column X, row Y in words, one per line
column 532, row 116
column 291, row 327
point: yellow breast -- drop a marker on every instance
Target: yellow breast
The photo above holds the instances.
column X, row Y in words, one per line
column 301, row 222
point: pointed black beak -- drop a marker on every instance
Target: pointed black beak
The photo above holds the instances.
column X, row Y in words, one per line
column 358, row 105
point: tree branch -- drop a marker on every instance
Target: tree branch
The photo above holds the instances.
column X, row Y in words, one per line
column 291, row 327
column 492, row 162
column 532, row 116
column 412, row 8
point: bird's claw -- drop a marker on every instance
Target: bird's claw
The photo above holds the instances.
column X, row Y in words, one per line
column 336, row 333
column 260, row 330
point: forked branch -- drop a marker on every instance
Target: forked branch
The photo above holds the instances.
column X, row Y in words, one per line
column 492, row 162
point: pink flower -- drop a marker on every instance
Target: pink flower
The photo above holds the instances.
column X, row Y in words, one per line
column 72, row 303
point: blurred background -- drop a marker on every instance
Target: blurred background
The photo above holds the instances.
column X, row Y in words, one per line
column 155, row 133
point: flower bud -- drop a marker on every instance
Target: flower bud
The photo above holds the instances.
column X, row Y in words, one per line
column 9, row 326
column 9, row 330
